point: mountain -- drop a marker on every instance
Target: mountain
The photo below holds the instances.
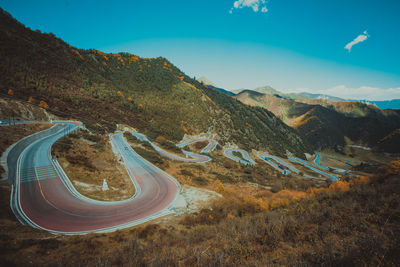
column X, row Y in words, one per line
column 150, row 94
column 319, row 96
column 268, row 90
column 229, row 93
column 328, row 124
column 205, row 81
column 386, row 104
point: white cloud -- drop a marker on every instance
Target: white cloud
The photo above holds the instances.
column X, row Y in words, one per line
column 358, row 39
column 362, row 93
column 253, row 4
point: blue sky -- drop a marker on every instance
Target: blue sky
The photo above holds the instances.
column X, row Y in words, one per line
column 293, row 46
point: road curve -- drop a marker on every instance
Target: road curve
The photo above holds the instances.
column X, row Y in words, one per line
column 212, row 144
column 42, row 198
column 309, row 166
column 247, row 159
column 190, row 156
column 280, row 165
column 317, row 162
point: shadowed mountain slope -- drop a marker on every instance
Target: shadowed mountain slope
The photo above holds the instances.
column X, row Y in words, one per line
column 326, row 124
column 150, row 94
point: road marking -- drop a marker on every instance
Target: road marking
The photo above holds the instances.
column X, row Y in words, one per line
column 38, row 173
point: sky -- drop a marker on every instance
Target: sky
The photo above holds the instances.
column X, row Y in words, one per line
column 346, row 48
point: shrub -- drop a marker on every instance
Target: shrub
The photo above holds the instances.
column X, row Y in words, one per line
column 200, row 180
column 186, row 173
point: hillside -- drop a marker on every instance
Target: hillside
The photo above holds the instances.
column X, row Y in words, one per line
column 327, row 124
column 150, row 94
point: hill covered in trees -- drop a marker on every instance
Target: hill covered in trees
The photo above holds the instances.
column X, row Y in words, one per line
column 150, row 94
column 326, row 124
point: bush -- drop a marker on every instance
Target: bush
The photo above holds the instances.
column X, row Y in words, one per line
column 186, row 173
column 80, row 160
column 168, row 145
column 151, row 156
column 95, row 138
column 224, row 178
column 200, row 180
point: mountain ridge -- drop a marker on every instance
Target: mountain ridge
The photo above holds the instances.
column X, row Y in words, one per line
column 150, row 94
column 327, row 124
column 381, row 104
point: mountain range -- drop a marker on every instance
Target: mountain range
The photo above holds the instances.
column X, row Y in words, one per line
column 383, row 104
column 331, row 124
column 150, row 94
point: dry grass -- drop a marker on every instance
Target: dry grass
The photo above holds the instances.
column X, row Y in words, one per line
column 88, row 163
column 354, row 223
column 351, row 222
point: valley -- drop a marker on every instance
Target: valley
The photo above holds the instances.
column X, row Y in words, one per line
column 112, row 159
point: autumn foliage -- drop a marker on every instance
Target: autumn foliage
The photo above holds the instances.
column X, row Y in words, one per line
column 43, row 104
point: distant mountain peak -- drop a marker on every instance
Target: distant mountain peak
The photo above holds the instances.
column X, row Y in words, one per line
column 205, row 81
column 268, row 90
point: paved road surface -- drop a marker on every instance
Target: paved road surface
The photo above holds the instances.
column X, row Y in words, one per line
column 309, row 166
column 247, row 159
column 42, row 198
column 212, row 144
column 190, row 156
column 282, row 166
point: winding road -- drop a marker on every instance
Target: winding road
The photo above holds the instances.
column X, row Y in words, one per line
column 247, row 160
column 190, row 156
column 42, row 195
column 309, row 166
column 282, row 166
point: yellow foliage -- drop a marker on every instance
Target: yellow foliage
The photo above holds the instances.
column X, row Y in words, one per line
column 231, row 216
column 10, row 92
column 43, row 104
column 220, row 188
column 77, row 52
column 340, row 186
column 130, row 98
column 209, row 99
column 30, row 100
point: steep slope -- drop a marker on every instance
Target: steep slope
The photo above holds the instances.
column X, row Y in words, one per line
column 326, row 124
column 150, row 94
column 391, row 142
column 268, row 90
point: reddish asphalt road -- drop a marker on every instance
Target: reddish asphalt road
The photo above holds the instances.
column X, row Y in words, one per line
column 44, row 200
